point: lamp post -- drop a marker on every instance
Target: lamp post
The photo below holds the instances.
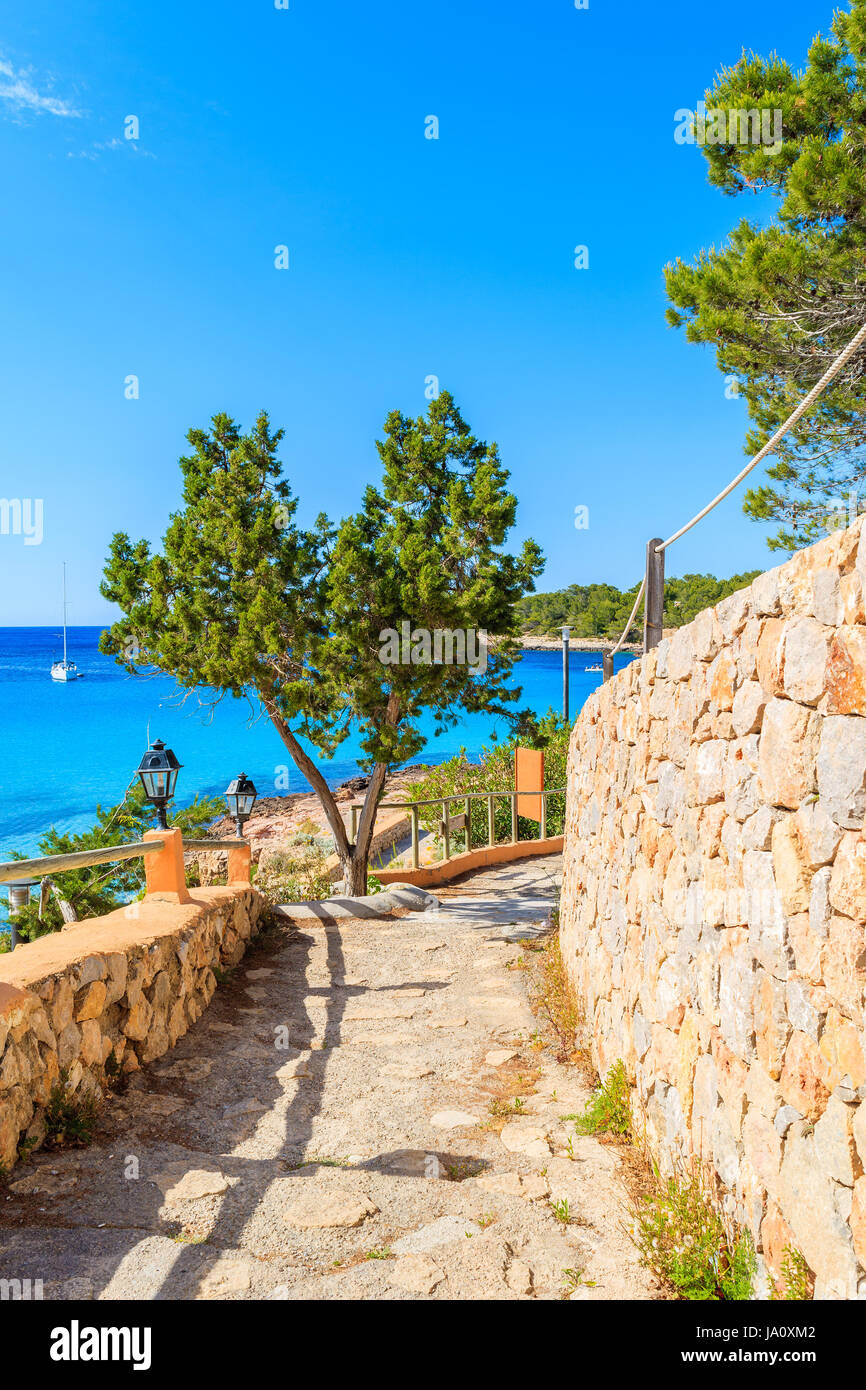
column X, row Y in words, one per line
column 241, row 796
column 158, row 771
column 566, row 633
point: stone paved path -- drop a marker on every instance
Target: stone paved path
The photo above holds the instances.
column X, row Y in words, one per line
column 325, row 1132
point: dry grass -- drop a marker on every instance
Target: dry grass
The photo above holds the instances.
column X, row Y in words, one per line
column 504, row 1092
column 554, row 1000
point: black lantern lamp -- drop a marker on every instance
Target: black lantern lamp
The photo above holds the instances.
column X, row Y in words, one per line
column 158, row 771
column 241, row 796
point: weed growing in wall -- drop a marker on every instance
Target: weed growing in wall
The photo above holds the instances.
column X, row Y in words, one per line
column 69, row 1118
column 797, row 1282
column 607, row 1111
column 682, row 1238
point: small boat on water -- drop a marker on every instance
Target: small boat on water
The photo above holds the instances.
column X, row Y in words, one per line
column 64, row 670
column 594, row 668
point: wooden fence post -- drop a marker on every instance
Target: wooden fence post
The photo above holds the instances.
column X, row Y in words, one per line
column 654, row 598
column 607, row 665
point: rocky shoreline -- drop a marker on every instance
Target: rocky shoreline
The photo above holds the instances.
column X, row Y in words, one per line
column 532, row 642
column 277, row 820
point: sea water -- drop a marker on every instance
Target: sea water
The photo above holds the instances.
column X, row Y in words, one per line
column 64, row 748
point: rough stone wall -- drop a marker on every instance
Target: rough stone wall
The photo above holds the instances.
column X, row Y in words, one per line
column 125, row 986
column 714, row 901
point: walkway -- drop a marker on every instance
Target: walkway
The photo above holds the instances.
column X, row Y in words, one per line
column 326, row 1132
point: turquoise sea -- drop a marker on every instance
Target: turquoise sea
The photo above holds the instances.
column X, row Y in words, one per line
column 63, row 748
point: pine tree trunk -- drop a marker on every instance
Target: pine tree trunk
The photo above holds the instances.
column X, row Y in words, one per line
column 354, row 875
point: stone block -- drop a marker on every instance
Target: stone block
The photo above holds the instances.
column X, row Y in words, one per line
column 803, row 1081
column 807, row 644
column 841, row 769
column 806, row 1201
column 772, row 1028
column 786, row 762
column 848, row 879
column 771, row 657
column 846, row 672
column 791, row 871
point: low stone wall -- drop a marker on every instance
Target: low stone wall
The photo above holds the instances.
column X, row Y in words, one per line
column 109, row 993
column 713, row 914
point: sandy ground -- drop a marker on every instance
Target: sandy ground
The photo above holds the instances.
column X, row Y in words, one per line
column 325, row 1132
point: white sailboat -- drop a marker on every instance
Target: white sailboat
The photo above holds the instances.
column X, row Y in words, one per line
column 64, row 670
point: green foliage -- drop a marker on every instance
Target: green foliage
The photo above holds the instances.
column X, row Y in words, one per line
column 295, row 875
column 682, row 1238
column 740, row 1269
column 495, row 772
column 103, row 887
column 600, row 610
column 241, row 601
column 778, row 302
column 796, row 1277
column 608, row 1110
column 69, row 1118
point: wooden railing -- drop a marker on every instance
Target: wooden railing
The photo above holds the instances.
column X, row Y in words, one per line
column 449, row 823
column 13, row 869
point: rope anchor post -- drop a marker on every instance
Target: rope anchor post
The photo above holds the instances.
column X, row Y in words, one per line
column 655, row 594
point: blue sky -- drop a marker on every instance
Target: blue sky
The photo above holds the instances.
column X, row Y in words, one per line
column 409, row 257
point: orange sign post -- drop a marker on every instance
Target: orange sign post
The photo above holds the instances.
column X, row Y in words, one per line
column 528, row 781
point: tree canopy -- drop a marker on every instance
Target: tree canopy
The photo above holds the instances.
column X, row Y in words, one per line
column 779, row 301
column 600, row 610
column 242, row 600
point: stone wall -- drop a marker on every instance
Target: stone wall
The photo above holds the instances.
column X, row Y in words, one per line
column 109, row 993
column 714, row 901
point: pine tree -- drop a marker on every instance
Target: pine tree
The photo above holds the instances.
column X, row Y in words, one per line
column 242, row 601
column 778, row 302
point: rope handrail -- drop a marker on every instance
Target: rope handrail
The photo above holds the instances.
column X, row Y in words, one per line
column 832, row 371
column 652, row 586
column 627, row 627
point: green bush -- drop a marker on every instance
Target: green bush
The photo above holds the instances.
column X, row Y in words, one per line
column 70, row 1118
column 296, row 874
column 104, row 887
column 682, row 1238
column 495, row 772
column 608, row 1111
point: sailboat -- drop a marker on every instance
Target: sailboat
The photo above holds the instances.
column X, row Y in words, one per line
column 64, row 670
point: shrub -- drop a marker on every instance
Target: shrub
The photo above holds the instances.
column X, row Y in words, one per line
column 607, row 1111
column 296, row 874
column 682, row 1238
column 70, row 1118
column 495, row 772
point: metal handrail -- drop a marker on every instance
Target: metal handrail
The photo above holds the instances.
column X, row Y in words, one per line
column 13, row 869
column 445, row 801
column 467, row 796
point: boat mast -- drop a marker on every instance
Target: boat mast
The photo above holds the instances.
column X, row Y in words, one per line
column 64, row 612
